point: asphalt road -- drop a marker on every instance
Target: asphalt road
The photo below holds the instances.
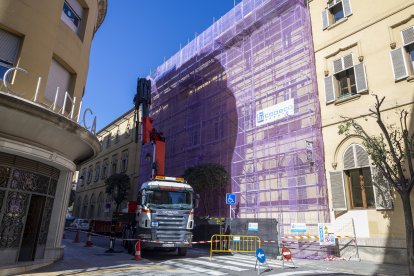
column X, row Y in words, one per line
column 197, row 262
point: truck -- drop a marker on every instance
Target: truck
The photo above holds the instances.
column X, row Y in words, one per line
column 165, row 205
column 165, row 214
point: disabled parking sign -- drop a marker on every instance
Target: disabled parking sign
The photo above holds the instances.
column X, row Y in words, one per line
column 230, row 199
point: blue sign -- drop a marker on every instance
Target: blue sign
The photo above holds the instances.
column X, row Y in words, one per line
column 260, row 255
column 231, row 199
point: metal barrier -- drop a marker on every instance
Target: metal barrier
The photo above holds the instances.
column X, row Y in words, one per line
column 233, row 243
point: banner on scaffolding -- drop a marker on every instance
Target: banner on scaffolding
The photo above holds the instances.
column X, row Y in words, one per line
column 326, row 234
column 275, row 112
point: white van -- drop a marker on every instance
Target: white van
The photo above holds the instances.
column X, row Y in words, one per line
column 82, row 224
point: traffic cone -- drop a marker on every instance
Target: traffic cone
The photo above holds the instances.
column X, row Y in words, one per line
column 138, row 250
column 77, row 237
column 89, row 242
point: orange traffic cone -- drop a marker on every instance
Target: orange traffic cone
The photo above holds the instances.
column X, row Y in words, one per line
column 89, row 242
column 77, row 237
column 138, row 251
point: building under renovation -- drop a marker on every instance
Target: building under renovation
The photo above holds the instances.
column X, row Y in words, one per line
column 243, row 94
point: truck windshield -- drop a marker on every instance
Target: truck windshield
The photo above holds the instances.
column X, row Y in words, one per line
column 169, row 199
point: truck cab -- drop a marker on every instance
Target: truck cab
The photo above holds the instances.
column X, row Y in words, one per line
column 165, row 214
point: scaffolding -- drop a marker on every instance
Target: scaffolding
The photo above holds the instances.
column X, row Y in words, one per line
column 243, row 94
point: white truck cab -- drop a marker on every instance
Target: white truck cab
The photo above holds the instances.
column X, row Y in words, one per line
column 165, row 214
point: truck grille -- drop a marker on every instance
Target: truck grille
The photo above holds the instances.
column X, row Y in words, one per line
column 170, row 227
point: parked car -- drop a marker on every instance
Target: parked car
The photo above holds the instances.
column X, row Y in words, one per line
column 82, row 224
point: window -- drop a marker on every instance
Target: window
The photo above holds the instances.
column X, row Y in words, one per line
column 90, row 172
column 60, row 78
column 114, row 164
column 118, row 132
column 336, row 10
column 9, row 47
column 346, row 82
column 108, row 141
column 128, row 130
column 124, row 161
column 72, row 14
column 104, row 169
column 358, row 186
column 347, row 79
column 403, row 58
column 82, row 178
column 97, row 171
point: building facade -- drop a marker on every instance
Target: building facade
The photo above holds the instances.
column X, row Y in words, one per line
column 362, row 48
column 243, row 94
column 44, row 60
column 120, row 154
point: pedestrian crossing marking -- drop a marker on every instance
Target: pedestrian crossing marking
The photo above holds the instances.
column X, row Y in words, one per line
column 233, row 268
column 194, row 268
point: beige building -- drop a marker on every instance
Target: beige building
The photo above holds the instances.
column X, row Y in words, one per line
column 363, row 47
column 120, row 154
column 44, row 60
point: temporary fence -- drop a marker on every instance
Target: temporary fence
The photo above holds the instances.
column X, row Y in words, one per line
column 233, row 243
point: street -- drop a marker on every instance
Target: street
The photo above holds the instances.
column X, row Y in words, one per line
column 81, row 260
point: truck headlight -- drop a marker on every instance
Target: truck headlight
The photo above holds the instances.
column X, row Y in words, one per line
column 154, row 224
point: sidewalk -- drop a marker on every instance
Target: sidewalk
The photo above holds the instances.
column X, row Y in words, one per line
column 78, row 258
column 350, row 267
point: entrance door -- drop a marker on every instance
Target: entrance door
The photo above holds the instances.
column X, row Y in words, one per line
column 31, row 229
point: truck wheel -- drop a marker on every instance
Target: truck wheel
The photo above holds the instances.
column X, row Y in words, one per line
column 182, row 251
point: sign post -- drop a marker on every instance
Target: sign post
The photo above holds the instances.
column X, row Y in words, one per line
column 230, row 200
column 261, row 257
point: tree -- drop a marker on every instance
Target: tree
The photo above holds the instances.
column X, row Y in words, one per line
column 391, row 153
column 207, row 180
column 118, row 186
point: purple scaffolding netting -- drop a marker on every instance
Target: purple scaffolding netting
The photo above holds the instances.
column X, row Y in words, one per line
column 243, row 94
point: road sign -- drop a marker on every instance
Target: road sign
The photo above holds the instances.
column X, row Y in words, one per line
column 253, row 226
column 260, row 255
column 298, row 227
column 326, row 234
column 286, row 254
column 230, row 199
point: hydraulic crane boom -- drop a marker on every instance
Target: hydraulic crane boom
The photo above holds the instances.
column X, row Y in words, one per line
column 142, row 102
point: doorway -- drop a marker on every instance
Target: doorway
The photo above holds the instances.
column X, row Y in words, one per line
column 31, row 229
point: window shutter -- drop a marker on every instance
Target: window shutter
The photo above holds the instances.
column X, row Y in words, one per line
column 329, row 89
column 383, row 199
column 398, row 64
column 360, row 78
column 325, row 19
column 346, row 5
column 338, row 191
column 362, row 159
column 338, row 65
column 408, row 35
column 348, row 61
column 349, row 158
column 58, row 77
column 9, row 45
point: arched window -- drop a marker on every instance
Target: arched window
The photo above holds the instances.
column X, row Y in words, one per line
column 358, row 178
column 358, row 185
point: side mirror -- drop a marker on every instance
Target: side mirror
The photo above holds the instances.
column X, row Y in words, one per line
column 196, row 200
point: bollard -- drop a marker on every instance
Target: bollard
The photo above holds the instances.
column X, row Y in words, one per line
column 138, row 250
column 77, row 237
column 89, row 242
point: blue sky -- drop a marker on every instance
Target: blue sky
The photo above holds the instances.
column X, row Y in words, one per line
column 135, row 38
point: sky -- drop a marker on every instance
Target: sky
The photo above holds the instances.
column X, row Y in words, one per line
column 135, row 37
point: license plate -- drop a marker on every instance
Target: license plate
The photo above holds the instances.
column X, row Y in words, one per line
column 168, row 245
